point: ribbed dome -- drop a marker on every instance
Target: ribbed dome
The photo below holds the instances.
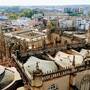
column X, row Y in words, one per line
column 44, row 65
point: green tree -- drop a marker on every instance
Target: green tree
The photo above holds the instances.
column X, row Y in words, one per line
column 26, row 13
column 13, row 16
column 51, row 26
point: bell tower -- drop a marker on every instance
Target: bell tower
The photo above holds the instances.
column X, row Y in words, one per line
column 37, row 82
column 2, row 44
column 88, row 35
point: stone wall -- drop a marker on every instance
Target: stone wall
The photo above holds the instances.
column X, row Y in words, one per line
column 79, row 77
column 62, row 83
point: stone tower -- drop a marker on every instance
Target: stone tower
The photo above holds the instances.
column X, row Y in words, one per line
column 37, row 82
column 2, row 44
column 88, row 35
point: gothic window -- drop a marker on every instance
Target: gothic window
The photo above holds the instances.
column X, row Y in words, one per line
column 53, row 87
column 85, row 83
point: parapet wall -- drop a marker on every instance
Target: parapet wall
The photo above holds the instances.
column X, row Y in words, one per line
column 66, row 71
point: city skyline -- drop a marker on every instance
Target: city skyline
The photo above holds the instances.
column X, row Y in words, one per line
column 42, row 2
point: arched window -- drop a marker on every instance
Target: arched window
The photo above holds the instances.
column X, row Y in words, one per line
column 53, row 87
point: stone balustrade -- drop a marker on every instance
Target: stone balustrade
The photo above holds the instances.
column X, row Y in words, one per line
column 66, row 71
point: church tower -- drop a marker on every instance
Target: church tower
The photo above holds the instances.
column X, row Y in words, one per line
column 88, row 35
column 2, row 44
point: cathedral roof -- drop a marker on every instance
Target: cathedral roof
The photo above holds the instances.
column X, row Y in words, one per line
column 44, row 65
column 84, row 52
column 66, row 60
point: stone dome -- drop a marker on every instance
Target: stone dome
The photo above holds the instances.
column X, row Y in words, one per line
column 44, row 65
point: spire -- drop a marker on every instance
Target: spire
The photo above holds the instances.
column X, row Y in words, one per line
column 38, row 71
column 37, row 66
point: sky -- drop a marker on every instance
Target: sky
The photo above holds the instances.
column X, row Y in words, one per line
column 42, row 2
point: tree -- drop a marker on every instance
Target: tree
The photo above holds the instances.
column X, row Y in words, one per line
column 26, row 13
column 13, row 16
column 51, row 26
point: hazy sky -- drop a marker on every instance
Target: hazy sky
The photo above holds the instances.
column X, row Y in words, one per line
column 42, row 2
